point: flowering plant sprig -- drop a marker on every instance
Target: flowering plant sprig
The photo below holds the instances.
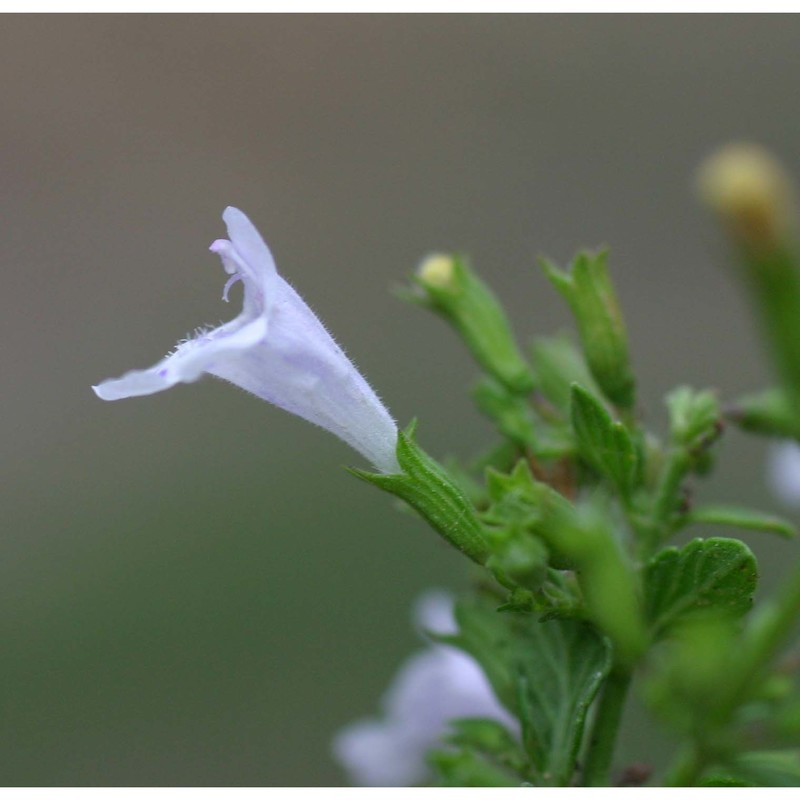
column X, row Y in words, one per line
column 578, row 591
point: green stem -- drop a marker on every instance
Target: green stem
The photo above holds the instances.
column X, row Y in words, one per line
column 664, row 503
column 774, row 280
column 603, row 740
column 674, row 472
column 688, row 768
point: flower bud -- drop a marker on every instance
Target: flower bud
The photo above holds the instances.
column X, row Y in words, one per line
column 754, row 198
column 437, row 270
column 451, row 289
column 750, row 191
column 587, row 288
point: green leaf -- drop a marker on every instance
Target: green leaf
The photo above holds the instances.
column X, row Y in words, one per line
column 711, row 575
column 546, row 673
column 746, row 518
column 605, row 443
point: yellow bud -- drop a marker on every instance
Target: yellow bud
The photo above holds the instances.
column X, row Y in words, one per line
column 750, row 190
column 437, row 270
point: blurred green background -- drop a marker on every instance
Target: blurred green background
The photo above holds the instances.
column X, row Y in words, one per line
column 193, row 590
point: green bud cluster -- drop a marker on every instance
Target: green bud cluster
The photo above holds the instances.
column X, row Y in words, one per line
column 570, row 516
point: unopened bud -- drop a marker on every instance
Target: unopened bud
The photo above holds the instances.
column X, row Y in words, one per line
column 754, row 196
column 750, row 190
column 587, row 288
column 437, row 270
column 454, row 291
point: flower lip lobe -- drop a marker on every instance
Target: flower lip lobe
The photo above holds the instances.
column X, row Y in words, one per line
column 276, row 349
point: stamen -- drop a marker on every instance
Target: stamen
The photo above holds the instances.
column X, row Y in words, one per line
column 233, row 278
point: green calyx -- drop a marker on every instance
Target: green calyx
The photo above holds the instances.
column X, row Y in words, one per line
column 426, row 486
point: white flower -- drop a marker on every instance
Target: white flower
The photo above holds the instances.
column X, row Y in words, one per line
column 783, row 472
column 278, row 350
column 432, row 688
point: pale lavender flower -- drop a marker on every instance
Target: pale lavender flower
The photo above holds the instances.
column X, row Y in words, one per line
column 278, row 350
column 432, row 688
column 783, row 472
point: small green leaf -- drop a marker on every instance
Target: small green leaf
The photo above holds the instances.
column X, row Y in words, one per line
column 712, row 575
column 547, row 673
column 605, row 443
column 745, row 518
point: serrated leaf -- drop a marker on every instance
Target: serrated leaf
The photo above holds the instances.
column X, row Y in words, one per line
column 603, row 442
column 745, row 518
column 547, row 673
column 711, row 575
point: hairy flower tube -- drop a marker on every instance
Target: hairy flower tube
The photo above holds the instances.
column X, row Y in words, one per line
column 278, row 350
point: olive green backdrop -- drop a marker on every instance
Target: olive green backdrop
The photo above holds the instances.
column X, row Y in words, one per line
column 192, row 589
